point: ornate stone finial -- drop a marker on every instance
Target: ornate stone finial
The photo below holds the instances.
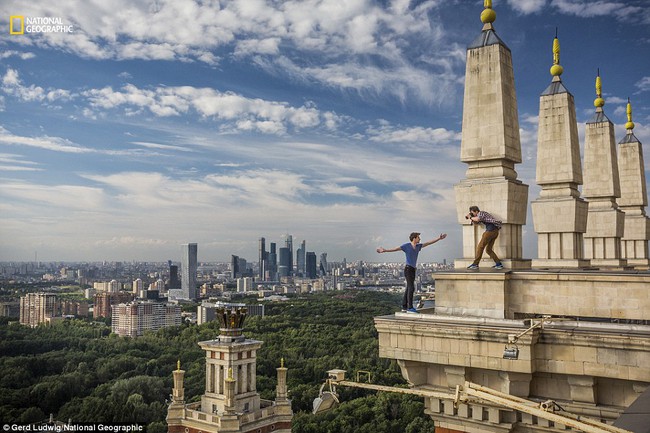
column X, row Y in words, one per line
column 629, row 125
column 488, row 15
column 178, row 365
column 231, row 321
column 230, row 378
column 599, row 101
column 281, row 362
column 556, row 69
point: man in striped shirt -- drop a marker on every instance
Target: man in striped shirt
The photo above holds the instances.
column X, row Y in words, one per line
column 492, row 227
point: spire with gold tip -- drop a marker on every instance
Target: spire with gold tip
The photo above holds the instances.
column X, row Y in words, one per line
column 599, row 101
column 556, row 69
column 629, row 125
column 488, row 15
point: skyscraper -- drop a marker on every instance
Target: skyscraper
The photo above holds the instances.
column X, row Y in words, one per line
column 300, row 259
column 289, row 245
column 310, row 265
column 323, row 263
column 273, row 263
column 189, row 265
column 285, row 262
column 234, row 266
column 262, row 259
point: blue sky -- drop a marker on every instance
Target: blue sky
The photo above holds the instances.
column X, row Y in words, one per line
column 156, row 123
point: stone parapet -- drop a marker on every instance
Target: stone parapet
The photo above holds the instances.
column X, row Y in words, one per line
column 593, row 368
column 589, row 294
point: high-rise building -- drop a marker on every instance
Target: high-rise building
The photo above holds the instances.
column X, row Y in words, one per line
column 263, row 261
column 134, row 318
column 300, row 259
column 234, row 266
column 289, row 245
column 104, row 301
column 284, row 268
column 37, row 308
column 323, row 263
column 189, row 266
column 311, row 270
column 231, row 402
column 138, row 286
column 273, row 263
column 174, row 282
column 244, row 284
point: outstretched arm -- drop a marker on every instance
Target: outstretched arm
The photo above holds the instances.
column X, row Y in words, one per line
column 392, row 250
column 433, row 241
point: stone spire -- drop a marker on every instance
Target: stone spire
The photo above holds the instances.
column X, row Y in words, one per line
column 491, row 146
column 634, row 197
column 559, row 214
column 605, row 221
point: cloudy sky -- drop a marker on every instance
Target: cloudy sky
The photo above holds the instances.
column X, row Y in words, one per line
column 161, row 122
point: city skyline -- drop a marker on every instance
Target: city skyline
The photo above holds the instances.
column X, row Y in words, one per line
column 337, row 122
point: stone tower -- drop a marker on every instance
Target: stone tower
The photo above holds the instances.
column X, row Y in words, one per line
column 559, row 214
column 230, row 402
column 634, row 197
column 490, row 147
column 605, row 221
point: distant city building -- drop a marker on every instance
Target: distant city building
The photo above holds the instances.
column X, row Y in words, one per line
column 300, row 259
column 105, row 300
column 174, row 282
column 284, row 268
column 273, row 263
column 311, row 270
column 37, row 308
column 138, row 286
column 134, row 318
column 10, row 309
column 244, row 284
column 263, row 260
column 189, row 267
column 234, row 266
column 289, row 245
column 74, row 308
column 323, row 263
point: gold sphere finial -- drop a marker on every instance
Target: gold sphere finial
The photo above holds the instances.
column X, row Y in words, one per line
column 178, row 365
column 599, row 101
column 629, row 125
column 488, row 15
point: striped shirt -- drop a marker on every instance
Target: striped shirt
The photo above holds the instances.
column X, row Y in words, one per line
column 491, row 223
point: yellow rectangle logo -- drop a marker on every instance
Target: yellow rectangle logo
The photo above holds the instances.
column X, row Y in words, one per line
column 16, row 25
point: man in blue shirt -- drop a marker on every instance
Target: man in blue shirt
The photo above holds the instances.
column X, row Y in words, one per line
column 411, row 249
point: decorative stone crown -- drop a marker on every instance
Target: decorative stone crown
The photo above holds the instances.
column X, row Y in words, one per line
column 232, row 322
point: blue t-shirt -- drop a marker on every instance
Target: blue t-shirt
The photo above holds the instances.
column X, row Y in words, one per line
column 411, row 253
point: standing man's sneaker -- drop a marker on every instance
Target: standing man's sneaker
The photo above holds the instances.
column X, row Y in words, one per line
column 411, row 310
column 498, row 266
column 472, row 267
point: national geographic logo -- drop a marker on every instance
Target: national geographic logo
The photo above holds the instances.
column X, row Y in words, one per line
column 19, row 25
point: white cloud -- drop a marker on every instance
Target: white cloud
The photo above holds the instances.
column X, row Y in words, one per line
column 45, row 142
column 527, row 6
column 22, row 55
column 643, row 84
column 390, row 134
column 12, row 85
column 589, row 9
column 244, row 114
column 350, row 32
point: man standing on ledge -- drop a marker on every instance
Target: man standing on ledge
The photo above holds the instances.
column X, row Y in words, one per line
column 411, row 249
column 492, row 227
